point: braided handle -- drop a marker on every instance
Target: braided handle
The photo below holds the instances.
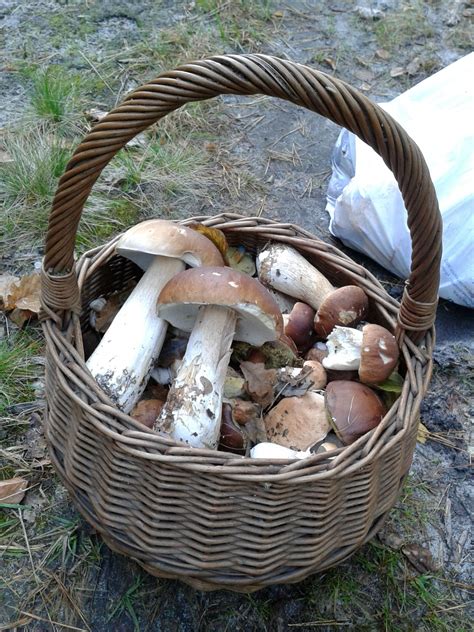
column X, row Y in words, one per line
column 249, row 75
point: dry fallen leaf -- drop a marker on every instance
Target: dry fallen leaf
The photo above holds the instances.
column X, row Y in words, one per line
column 6, row 283
column 414, row 66
column 420, row 558
column 215, row 235
column 364, row 74
column 330, row 62
column 147, row 410
column 398, row 71
column 382, row 54
column 423, row 433
column 13, row 490
column 24, row 294
column 95, row 115
column 259, row 382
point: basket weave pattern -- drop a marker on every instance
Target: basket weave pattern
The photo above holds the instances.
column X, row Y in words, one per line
column 210, row 518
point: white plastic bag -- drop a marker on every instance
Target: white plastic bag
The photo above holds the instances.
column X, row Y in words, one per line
column 363, row 199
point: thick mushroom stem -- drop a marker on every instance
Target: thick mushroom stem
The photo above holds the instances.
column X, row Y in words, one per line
column 122, row 362
column 284, row 269
column 192, row 412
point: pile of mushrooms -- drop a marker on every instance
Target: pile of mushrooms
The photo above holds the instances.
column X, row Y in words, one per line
column 202, row 351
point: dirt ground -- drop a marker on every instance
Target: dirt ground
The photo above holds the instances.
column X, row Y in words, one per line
column 260, row 156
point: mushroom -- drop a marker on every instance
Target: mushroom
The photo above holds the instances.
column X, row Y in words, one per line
column 299, row 325
column 232, row 437
column 373, row 352
column 284, row 269
column 122, row 362
column 216, row 305
column 267, row 450
column 353, row 409
column 298, row 422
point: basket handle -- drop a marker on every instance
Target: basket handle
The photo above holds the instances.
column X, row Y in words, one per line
column 249, row 75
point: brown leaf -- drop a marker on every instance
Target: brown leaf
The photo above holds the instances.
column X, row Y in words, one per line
column 420, row 558
column 215, row 235
column 12, row 490
column 24, row 294
column 21, row 316
column 7, row 281
column 259, row 382
column 147, row 410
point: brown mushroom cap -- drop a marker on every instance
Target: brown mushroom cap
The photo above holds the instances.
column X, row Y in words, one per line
column 353, row 409
column 258, row 317
column 379, row 354
column 161, row 237
column 346, row 306
column 298, row 422
column 232, row 438
column 299, row 325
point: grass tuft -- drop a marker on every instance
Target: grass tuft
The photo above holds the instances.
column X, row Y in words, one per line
column 404, row 27
column 19, row 366
column 53, row 93
column 28, row 182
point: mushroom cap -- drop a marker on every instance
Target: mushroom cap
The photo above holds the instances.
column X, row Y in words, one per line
column 258, row 318
column 298, row 422
column 299, row 325
column 353, row 409
column 161, row 237
column 379, row 354
column 346, row 306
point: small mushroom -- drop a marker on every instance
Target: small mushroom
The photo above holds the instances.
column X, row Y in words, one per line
column 232, row 438
column 294, row 381
column 317, row 352
column 299, row 325
column 353, row 409
column 122, row 362
column 244, row 411
column 285, row 269
column 216, row 304
column 298, row 422
column 373, row 352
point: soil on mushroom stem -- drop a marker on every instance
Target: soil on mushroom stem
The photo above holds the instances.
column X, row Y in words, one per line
column 252, row 156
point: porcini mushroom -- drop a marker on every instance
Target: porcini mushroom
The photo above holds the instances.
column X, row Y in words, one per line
column 286, row 270
column 122, row 362
column 216, row 305
column 298, row 422
column 267, row 450
column 372, row 351
column 353, row 409
column 299, row 325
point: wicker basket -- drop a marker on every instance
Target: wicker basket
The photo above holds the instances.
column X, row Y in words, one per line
column 212, row 519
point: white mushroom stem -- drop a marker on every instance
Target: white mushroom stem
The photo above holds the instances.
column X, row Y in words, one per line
column 192, row 412
column 122, row 362
column 284, row 269
column 267, row 450
column 344, row 345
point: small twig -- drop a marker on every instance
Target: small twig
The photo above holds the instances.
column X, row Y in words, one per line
column 62, row 625
column 292, row 131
